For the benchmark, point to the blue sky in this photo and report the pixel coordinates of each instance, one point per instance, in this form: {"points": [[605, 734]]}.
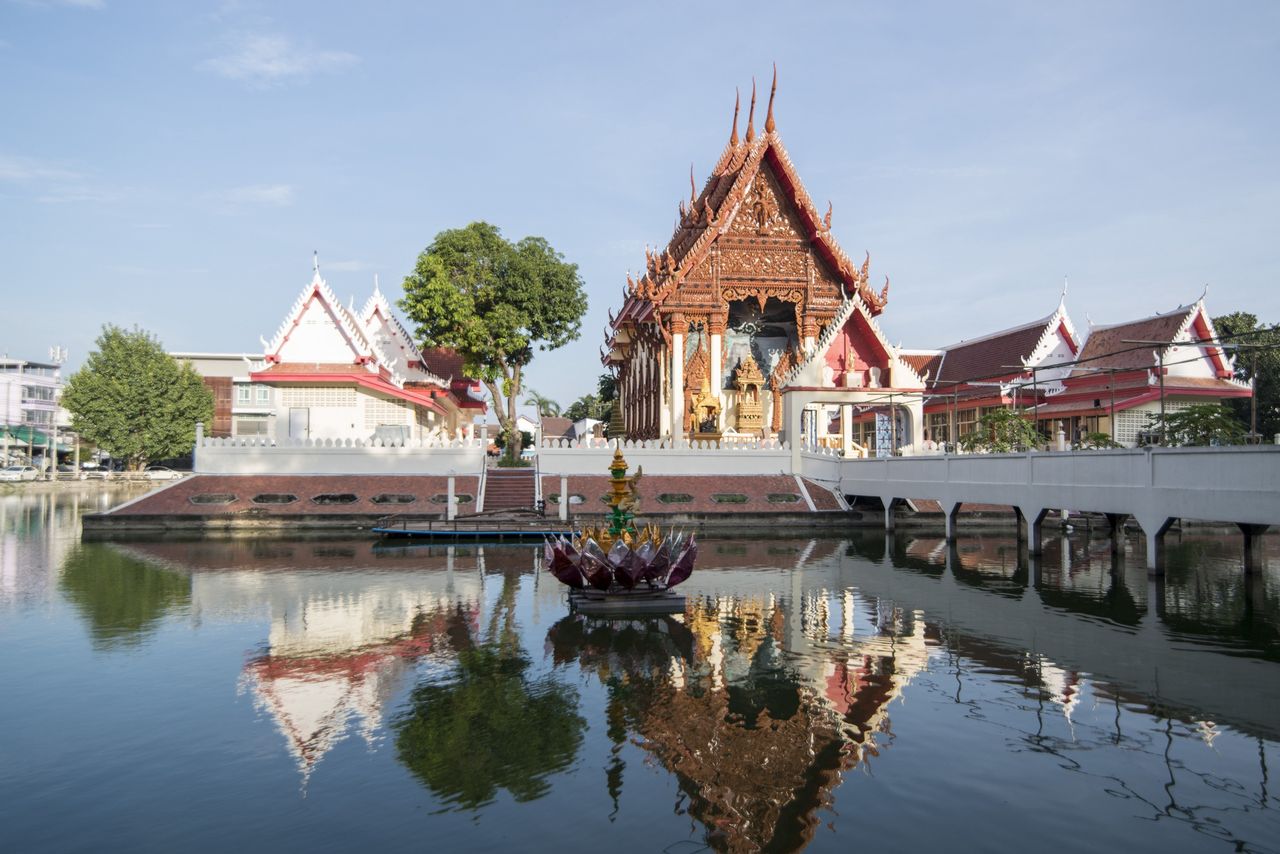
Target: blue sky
{"points": [[173, 165]]}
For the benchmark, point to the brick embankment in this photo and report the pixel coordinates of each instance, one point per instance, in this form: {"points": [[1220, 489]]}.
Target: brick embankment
{"points": [[251, 503]]}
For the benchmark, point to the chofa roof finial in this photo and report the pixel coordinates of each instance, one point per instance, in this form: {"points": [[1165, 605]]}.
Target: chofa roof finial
{"points": [[737, 101], [751, 113], [693, 191], [769, 126]]}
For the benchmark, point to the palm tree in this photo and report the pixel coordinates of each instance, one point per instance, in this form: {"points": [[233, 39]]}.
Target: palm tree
{"points": [[546, 406]]}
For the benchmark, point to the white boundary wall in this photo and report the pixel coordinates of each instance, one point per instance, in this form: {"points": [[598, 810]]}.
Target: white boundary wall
{"points": [[337, 456], [665, 457]]}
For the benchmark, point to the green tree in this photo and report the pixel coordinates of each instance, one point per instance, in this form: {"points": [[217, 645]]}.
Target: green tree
{"points": [[1202, 424], [493, 302], [134, 400], [1002, 431], [545, 405], [1257, 352], [587, 406]]}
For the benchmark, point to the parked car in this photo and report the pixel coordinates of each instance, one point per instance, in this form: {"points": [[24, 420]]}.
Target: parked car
{"points": [[161, 473], [19, 473]]}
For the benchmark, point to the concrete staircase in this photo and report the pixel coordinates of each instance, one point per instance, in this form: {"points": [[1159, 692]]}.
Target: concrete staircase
{"points": [[509, 489]]}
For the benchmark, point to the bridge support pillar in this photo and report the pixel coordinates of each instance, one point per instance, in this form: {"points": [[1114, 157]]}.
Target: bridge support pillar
{"points": [[1034, 519], [1154, 530], [1252, 550], [1115, 524], [952, 514], [888, 511], [1019, 522]]}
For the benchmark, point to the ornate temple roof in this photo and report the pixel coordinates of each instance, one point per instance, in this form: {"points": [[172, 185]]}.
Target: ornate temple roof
{"points": [[708, 215]]}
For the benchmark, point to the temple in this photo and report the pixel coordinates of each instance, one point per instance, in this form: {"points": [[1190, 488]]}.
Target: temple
{"points": [[342, 372], [751, 300]]}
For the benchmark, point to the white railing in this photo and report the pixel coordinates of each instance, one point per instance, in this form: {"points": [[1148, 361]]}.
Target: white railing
{"points": [[666, 456], [261, 455]]}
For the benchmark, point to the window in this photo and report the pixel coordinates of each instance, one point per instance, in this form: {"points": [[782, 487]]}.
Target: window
{"points": [[675, 498], [939, 426], [729, 498], [250, 425], [336, 498], [274, 498], [263, 393], [213, 498], [393, 498], [242, 393], [783, 498], [966, 422]]}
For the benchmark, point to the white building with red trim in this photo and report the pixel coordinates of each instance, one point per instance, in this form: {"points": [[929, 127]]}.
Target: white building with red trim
{"points": [[1127, 372], [339, 373]]}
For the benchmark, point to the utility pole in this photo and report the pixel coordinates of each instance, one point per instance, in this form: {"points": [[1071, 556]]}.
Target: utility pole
{"points": [[1253, 398]]}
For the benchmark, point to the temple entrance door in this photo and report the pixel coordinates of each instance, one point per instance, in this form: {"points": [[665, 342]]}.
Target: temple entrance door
{"points": [[299, 422]]}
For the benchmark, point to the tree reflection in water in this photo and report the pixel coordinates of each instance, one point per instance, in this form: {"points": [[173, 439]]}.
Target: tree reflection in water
{"points": [[489, 725], [123, 599]]}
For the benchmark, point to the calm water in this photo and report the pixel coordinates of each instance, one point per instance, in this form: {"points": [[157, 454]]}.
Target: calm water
{"points": [[828, 694]]}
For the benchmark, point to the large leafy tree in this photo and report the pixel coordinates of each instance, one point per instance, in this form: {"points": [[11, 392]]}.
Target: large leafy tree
{"points": [[494, 302], [1257, 359], [134, 400]]}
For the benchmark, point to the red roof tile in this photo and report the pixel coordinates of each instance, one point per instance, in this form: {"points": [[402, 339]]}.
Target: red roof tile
{"points": [[989, 357], [1105, 347]]}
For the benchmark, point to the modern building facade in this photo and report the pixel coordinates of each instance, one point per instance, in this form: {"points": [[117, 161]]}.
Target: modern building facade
{"points": [[29, 407]]}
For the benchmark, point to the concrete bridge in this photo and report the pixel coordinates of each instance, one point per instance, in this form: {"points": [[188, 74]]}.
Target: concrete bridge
{"points": [[1156, 486]]}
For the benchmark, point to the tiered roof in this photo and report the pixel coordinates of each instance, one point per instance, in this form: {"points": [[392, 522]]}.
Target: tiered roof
{"points": [[1123, 361], [380, 353], [708, 215]]}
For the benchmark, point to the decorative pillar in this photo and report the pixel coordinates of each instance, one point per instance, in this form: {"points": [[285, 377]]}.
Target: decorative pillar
{"points": [[676, 414], [451, 509], [846, 429], [716, 326], [564, 498]]}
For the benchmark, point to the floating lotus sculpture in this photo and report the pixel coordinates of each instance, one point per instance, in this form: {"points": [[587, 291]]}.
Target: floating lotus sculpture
{"points": [[650, 566], [618, 562]]}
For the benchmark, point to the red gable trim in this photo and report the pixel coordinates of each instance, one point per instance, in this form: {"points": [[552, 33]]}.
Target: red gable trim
{"points": [[363, 379]]}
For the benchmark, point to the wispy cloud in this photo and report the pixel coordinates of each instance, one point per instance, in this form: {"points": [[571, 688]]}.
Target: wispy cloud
{"points": [[256, 195], [78, 193], [51, 182], [26, 170], [264, 60]]}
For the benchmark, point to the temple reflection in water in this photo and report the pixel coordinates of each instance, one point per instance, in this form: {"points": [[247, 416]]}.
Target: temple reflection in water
{"points": [[782, 677]]}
